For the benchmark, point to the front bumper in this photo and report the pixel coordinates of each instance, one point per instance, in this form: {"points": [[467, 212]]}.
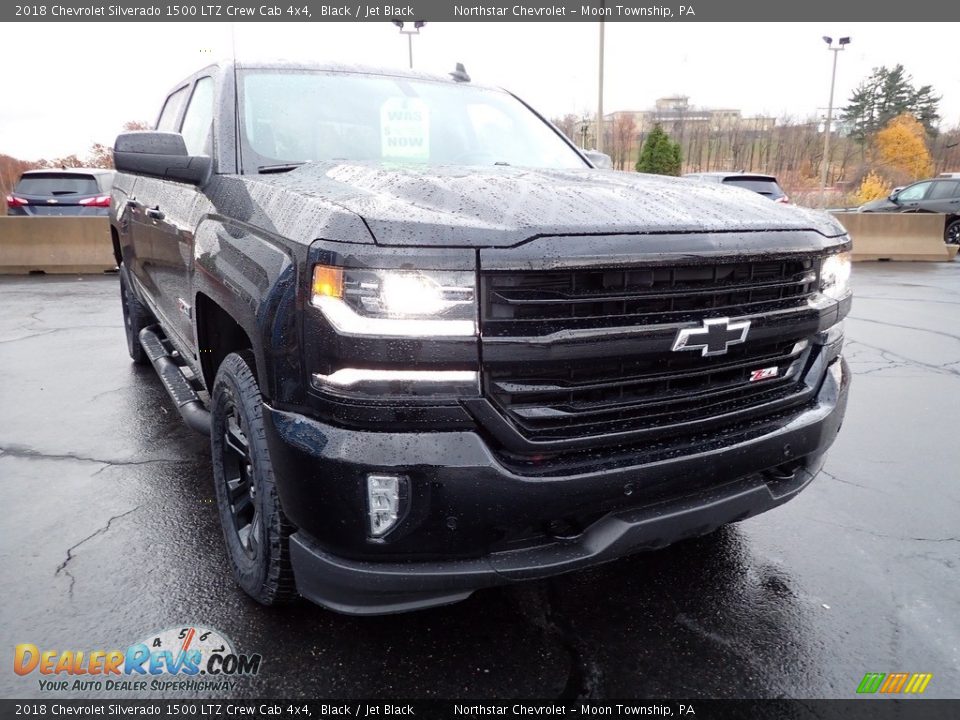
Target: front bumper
{"points": [[474, 522]]}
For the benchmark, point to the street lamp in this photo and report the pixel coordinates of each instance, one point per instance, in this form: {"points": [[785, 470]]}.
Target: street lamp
{"points": [[841, 44], [410, 33], [600, 87]]}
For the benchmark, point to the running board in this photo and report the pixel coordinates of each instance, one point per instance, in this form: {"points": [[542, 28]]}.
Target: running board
{"points": [[188, 403]]}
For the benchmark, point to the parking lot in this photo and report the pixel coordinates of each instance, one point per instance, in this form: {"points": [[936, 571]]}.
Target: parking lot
{"points": [[110, 533]]}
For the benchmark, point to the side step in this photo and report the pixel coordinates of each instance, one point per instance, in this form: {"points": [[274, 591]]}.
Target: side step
{"points": [[188, 402]]}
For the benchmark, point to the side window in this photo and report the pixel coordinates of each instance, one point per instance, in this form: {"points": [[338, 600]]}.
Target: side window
{"points": [[914, 192], [944, 190], [199, 118], [171, 110]]}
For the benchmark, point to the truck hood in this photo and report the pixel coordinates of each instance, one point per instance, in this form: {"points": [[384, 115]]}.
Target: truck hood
{"points": [[503, 206]]}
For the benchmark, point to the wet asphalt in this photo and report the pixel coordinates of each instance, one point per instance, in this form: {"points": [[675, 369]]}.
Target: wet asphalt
{"points": [[109, 532]]}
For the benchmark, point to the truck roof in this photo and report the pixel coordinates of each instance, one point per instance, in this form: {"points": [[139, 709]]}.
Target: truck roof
{"points": [[358, 69]]}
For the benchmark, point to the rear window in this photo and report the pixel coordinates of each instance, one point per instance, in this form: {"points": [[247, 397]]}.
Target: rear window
{"points": [[757, 185], [943, 189], [58, 184]]}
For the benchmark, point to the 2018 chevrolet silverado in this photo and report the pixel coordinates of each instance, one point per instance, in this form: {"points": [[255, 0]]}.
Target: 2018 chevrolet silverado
{"points": [[435, 350]]}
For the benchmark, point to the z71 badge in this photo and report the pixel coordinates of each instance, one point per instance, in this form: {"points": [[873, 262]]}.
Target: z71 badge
{"points": [[764, 373]]}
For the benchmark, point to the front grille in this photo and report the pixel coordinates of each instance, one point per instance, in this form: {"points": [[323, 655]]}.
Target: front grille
{"points": [[661, 394], [524, 304], [613, 396]]}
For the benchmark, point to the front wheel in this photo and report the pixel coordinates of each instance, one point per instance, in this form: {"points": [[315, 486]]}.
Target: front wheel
{"points": [[951, 235], [254, 527]]}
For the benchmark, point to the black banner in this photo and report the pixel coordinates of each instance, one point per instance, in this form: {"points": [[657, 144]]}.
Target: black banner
{"points": [[477, 10], [860, 709]]}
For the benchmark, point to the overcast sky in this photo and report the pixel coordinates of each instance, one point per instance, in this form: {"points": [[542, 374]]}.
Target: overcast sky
{"points": [[69, 85]]}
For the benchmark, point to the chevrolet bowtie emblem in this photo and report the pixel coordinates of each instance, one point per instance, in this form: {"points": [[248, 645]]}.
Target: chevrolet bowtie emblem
{"points": [[714, 338]]}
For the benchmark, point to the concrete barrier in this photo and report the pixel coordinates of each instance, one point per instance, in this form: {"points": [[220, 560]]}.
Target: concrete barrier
{"points": [[55, 245], [896, 236]]}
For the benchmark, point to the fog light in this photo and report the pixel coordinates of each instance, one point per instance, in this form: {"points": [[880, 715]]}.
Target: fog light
{"points": [[383, 503]]}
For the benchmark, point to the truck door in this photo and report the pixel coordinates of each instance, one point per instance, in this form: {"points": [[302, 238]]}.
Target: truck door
{"points": [[170, 221], [144, 257]]}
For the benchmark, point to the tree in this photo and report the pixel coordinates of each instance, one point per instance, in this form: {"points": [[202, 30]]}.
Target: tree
{"points": [[884, 95], [660, 155], [100, 156], [901, 148], [873, 187], [569, 125], [68, 161], [624, 134]]}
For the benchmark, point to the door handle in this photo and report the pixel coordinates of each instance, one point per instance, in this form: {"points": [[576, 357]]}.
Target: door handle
{"points": [[155, 212]]}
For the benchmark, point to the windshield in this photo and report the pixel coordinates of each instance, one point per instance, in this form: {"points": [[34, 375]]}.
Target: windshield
{"points": [[299, 116]]}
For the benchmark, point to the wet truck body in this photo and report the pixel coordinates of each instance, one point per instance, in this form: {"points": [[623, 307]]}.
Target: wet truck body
{"points": [[426, 372]]}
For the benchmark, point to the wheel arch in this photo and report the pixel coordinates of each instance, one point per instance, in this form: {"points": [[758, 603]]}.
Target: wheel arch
{"points": [[218, 335], [115, 242]]}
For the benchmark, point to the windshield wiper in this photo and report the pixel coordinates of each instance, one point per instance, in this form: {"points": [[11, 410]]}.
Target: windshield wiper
{"points": [[283, 167]]}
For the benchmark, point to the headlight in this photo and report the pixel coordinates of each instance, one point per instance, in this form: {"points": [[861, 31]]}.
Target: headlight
{"points": [[397, 303], [835, 275]]}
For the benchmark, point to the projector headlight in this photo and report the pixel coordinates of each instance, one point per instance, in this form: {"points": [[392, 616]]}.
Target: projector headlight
{"points": [[396, 303], [835, 275]]}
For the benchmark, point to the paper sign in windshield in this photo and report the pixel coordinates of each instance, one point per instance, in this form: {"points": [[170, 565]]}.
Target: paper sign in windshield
{"points": [[405, 129]]}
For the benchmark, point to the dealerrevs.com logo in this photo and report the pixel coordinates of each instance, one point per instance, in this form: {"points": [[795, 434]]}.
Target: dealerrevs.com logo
{"points": [[188, 658]]}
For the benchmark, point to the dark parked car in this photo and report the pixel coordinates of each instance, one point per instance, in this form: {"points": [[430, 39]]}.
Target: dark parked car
{"points": [[69, 191], [436, 350], [938, 195], [765, 185]]}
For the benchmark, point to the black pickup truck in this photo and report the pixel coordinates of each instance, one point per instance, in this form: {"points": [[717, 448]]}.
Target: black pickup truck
{"points": [[436, 350]]}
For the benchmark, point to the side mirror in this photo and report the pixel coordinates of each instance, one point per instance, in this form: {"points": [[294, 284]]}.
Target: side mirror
{"points": [[599, 160], [894, 193], [160, 155]]}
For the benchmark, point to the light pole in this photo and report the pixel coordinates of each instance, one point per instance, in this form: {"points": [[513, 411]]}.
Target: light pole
{"points": [[600, 87], [841, 44], [410, 33]]}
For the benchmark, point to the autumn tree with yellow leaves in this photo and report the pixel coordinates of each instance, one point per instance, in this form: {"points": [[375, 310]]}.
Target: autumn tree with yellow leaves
{"points": [[901, 150], [873, 187]]}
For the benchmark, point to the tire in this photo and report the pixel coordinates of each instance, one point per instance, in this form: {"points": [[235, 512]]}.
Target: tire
{"points": [[255, 529], [135, 318], [951, 235]]}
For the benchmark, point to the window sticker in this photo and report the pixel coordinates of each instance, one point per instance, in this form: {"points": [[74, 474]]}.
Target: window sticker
{"points": [[405, 129]]}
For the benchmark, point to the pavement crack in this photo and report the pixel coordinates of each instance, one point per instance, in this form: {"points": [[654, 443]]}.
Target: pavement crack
{"points": [[903, 300], [900, 538], [21, 451], [27, 337], [62, 567], [905, 327], [900, 361], [540, 604], [71, 328], [850, 482]]}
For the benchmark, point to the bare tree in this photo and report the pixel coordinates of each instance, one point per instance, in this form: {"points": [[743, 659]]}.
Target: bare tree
{"points": [[624, 139]]}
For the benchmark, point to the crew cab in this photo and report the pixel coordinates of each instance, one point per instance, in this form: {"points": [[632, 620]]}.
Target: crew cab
{"points": [[436, 350]]}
